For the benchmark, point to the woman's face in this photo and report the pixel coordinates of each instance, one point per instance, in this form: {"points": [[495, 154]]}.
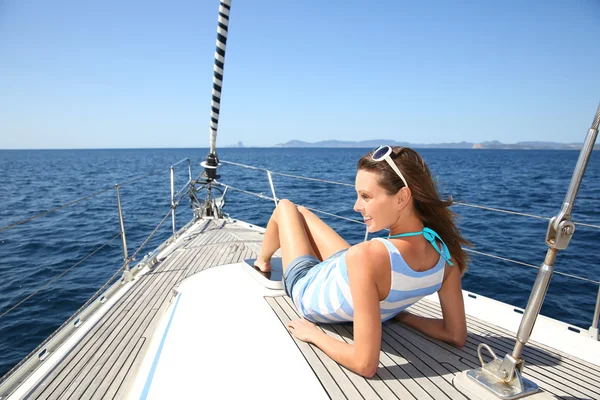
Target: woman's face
{"points": [[378, 208]]}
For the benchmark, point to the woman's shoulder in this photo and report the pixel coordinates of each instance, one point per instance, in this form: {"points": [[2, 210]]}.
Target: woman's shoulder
{"points": [[369, 252], [454, 270], [368, 263]]}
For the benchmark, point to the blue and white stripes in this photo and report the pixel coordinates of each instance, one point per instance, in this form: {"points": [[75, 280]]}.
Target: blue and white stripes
{"points": [[323, 294]]}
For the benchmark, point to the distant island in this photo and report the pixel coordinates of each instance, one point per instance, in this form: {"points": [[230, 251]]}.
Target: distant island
{"points": [[460, 145], [238, 145]]}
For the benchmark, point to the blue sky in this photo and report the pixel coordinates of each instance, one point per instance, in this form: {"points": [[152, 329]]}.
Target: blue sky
{"points": [[80, 74]]}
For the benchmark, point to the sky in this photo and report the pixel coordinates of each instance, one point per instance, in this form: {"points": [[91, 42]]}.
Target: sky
{"points": [[138, 74]]}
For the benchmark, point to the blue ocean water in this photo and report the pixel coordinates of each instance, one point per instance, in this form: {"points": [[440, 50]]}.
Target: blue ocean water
{"points": [[33, 253]]}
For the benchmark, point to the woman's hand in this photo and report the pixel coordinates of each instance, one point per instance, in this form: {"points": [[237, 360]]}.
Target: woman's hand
{"points": [[303, 330]]}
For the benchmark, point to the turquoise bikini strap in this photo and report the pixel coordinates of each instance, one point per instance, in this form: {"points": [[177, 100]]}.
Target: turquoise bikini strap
{"points": [[430, 235], [406, 234]]}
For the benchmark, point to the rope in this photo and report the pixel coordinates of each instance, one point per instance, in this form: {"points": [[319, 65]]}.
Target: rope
{"points": [[182, 196], [55, 209], [242, 165], [518, 213], [500, 210], [60, 275], [454, 203], [286, 175], [530, 265], [150, 236], [312, 179], [157, 227], [308, 208], [91, 299], [260, 196], [133, 180], [187, 185], [335, 215], [140, 222], [466, 249], [68, 321], [128, 182], [88, 256]]}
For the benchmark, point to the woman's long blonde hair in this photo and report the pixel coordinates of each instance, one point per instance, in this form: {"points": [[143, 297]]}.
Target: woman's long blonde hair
{"points": [[431, 209]]}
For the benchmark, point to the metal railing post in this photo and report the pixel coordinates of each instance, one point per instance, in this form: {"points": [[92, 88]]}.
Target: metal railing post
{"points": [[504, 377], [126, 272], [559, 233], [173, 199], [272, 187], [534, 304], [594, 328]]}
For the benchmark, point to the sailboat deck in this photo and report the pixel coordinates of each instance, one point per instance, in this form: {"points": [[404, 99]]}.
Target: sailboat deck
{"points": [[104, 363]]}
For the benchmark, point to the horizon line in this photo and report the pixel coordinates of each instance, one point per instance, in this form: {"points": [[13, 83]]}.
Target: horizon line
{"points": [[278, 147]]}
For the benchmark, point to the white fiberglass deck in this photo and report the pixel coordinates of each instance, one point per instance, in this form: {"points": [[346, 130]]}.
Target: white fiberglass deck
{"points": [[105, 362]]}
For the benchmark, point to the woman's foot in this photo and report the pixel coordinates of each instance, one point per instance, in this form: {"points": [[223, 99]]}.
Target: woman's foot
{"points": [[264, 266]]}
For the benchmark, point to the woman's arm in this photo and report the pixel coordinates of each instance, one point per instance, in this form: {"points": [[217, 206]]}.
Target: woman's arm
{"points": [[343, 353], [453, 327], [362, 356]]}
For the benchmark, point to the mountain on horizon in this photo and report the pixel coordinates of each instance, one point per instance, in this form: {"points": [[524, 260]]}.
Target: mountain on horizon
{"points": [[341, 143], [494, 144]]}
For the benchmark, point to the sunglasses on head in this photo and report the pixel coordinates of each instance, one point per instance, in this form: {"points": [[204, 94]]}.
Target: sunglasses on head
{"points": [[383, 153]]}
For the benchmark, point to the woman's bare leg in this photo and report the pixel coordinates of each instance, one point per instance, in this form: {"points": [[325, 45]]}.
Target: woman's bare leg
{"points": [[270, 244], [285, 230], [323, 239]]}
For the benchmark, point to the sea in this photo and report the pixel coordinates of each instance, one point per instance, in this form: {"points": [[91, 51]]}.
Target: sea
{"points": [[66, 254]]}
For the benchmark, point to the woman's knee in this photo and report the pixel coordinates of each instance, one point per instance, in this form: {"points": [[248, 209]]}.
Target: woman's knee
{"points": [[303, 210], [308, 214], [285, 205]]}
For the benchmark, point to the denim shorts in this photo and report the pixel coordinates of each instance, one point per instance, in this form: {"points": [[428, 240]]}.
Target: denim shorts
{"points": [[297, 269]]}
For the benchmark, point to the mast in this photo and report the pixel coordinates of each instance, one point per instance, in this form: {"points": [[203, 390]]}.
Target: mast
{"points": [[212, 160]]}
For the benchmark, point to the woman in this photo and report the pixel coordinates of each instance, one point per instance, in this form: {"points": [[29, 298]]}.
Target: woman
{"points": [[373, 281]]}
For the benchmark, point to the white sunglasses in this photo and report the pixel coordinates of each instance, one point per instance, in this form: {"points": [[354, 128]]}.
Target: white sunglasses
{"points": [[383, 153]]}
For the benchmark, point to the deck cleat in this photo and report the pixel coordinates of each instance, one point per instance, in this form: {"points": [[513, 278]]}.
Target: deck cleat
{"points": [[504, 378]]}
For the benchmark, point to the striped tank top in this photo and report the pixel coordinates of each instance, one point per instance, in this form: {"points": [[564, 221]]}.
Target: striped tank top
{"points": [[323, 294]]}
